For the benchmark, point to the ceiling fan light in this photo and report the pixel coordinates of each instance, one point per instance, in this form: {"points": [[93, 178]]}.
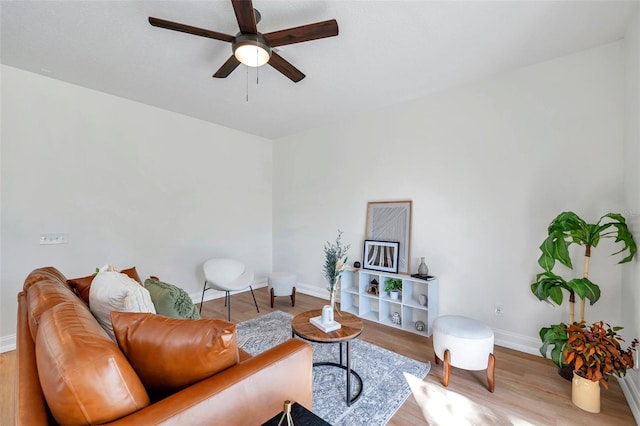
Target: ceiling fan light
{"points": [[251, 50], [251, 55]]}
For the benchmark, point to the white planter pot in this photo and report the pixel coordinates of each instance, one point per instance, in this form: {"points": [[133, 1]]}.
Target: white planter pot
{"points": [[394, 294], [585, 394]]}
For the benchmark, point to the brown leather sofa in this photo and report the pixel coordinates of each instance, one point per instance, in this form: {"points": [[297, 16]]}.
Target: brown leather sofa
{"points": [[63, 353]]}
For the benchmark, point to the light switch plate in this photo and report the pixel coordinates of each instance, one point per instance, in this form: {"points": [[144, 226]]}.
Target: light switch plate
{"points": [[59, 238]]}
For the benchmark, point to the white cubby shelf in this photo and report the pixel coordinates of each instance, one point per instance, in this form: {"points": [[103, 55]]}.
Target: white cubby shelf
{"points": [[355, 299]]}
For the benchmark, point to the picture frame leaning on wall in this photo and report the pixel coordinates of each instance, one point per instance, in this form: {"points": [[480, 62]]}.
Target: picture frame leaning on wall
{"points": [[391, 221]]}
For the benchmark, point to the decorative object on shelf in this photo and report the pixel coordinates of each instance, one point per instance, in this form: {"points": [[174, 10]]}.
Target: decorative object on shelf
{"points": [[595, 349], [422, 277], [422, 268], [356, 264], [391, 221], [373, 287], [381, 255], [423, 299], [393, 286], [395, 318], [420, 325], [335, 259]]}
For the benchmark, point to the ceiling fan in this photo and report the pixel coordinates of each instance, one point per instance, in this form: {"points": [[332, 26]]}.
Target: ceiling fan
{"points": [[253, 48]]}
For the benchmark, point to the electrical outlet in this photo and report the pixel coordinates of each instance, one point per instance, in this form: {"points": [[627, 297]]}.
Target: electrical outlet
{"points": [[59, 238], [498, 310]]}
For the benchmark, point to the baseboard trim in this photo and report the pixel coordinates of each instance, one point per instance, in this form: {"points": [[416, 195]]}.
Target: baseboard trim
{"points": [[630, 391], [312, 290], [517, 342], [8, 343]]}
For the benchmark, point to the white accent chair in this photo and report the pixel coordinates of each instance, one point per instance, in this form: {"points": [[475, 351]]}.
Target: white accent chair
{"points": [[227, 275], [464, 343]]}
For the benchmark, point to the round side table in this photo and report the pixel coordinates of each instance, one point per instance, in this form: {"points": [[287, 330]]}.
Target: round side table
{"points": [[351, 328]]}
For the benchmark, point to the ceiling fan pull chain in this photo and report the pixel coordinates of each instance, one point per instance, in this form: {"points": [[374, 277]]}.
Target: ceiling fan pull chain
{"points": [[247, 82]]}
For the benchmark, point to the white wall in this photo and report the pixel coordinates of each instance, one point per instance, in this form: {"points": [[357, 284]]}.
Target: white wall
{"points": [[631, 279], [130, 184], [488, 166]]}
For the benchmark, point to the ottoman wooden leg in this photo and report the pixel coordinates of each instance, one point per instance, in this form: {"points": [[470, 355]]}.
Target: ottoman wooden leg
{"points": [[272, 297], [446, 368], [293, 297], [491, 371]]}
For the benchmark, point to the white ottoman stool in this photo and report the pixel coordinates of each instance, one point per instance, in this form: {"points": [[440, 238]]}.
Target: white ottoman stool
{"points": [[282, 284], [463, 343]]}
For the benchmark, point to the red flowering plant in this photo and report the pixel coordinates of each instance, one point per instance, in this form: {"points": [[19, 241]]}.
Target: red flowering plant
{"points": [[595, 349]]}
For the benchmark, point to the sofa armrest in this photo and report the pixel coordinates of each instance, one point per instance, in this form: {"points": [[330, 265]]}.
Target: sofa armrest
{"points": [[30, 405], [248, 393]]}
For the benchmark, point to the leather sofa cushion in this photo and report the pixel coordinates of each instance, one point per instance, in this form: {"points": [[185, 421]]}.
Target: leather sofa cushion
{"points": [[82, 285], [169, 353], [43, 295], [85, 378], [45, 273]]}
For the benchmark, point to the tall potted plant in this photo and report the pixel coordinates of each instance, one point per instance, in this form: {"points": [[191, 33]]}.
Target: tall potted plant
{"points": [[567, 229]]}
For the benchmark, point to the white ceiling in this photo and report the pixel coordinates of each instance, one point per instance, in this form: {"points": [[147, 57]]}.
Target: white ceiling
{"points": [[387, 52]]}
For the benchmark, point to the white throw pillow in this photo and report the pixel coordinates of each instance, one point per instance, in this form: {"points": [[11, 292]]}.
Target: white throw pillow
{"points": [[114, 291]]}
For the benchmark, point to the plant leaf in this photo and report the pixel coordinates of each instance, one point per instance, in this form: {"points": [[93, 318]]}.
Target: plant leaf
{"points": [[585, 288]]}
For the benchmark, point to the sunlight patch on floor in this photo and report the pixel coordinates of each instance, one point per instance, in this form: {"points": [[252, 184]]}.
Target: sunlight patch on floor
{"points": [[441, 406]]}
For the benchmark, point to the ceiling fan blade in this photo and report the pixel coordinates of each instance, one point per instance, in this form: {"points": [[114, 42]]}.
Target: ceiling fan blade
{"points": [[226, 68], [282, 65], [245, 16], [303, 33], [156, 22]]}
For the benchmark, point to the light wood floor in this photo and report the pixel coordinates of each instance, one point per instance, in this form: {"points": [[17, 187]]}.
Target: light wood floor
{"points": [[528, 388]]}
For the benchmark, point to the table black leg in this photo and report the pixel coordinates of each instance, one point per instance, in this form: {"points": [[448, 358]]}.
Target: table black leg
{"points": [[348, 372], [347, 368]]}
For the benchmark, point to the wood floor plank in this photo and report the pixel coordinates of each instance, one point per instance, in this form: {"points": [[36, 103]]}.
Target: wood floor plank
{"points": [[528, 389]]}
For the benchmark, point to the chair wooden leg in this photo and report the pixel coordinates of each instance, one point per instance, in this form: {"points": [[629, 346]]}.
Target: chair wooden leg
{"points": [[446, 368], [293, 297], [272, 297], [491, 371], [227, 301], [436, 357]]}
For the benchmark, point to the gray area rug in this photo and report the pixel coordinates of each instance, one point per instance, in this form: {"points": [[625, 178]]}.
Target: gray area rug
{"points": [[385, 386]]}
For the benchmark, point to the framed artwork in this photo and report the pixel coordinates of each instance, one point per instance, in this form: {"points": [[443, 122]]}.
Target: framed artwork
{"points": [[391, 221], [381, 255]]}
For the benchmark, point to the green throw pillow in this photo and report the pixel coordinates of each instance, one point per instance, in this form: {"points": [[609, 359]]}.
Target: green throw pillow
{"points": [[171, 301]]}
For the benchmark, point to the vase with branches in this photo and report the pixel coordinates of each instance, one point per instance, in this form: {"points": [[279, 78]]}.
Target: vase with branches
{"points": [[335, 259]]}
